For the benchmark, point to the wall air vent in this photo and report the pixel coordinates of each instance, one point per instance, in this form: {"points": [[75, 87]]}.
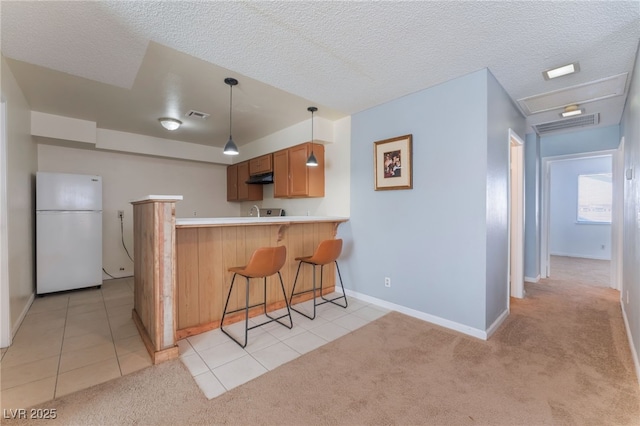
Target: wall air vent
{"points": [[197, 114], [568, 123]]}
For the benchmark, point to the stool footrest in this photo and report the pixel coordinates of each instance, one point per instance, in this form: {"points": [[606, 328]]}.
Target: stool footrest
{"points": [[272, 319], [244, 309]]}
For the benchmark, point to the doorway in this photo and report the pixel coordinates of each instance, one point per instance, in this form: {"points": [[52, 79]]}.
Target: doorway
{"points": [[569, 229], [516, 216]]}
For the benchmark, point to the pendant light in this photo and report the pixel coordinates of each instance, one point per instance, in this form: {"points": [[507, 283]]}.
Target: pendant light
{"points": [[311, 161], [230, 147]]}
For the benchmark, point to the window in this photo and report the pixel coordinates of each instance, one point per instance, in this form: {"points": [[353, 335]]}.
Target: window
{"points": [[594, 198]]}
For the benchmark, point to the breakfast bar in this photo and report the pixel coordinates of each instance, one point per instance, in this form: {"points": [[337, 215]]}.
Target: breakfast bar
{"points": [[181, 268]]}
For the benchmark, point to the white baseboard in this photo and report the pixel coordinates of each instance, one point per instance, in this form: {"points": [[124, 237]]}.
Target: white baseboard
{"points": [[497, 323], [465, 329], [581, 256], [532, 280], [22, 315], [634, 353]]}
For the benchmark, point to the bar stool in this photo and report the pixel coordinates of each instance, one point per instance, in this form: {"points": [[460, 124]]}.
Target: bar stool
{"points": [[264, 262], [327, 251]]}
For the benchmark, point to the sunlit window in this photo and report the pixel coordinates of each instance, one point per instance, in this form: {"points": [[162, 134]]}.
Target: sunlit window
{"points": [[594, 198]]}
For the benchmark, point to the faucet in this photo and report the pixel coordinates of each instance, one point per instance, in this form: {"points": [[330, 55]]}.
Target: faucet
{"points": [[255, 206]]}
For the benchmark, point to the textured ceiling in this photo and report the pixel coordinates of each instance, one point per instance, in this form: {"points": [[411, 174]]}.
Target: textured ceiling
{"points": [[342, 56]]}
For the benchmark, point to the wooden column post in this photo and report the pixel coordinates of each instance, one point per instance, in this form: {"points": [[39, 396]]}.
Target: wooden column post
{"points": [[154, 270]]}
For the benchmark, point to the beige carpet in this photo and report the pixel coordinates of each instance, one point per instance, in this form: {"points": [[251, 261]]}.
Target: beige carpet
{"points": [[562, 357], [581, 271]]}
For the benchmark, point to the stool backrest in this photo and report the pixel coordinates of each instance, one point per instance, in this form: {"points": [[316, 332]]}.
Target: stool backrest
{"points": [[266, 261], [328, 251]]}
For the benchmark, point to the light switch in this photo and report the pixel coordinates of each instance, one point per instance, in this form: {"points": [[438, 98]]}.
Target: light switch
{"points": [[629, 173]]}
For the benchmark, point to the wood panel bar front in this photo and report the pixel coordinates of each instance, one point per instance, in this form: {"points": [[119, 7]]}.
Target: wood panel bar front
{"points": [[154, 276], [204, 253]]}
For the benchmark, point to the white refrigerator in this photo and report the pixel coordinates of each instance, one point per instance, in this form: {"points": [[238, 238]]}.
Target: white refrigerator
{"points": [[68, 231]]}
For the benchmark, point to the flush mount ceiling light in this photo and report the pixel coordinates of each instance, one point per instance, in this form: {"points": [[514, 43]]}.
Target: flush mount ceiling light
{"points": [[571, 111], [560, 71], [311, 161], [230, 147], [169, 123]]}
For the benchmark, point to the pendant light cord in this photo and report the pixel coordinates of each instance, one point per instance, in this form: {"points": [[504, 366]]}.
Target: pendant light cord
{"points": [[230, 105], [312, 132]]}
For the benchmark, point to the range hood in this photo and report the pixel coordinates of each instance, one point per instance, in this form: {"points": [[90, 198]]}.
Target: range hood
{"points": [[261, 179]]}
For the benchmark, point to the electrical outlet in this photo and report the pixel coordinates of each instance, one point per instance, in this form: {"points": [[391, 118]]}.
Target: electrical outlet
{"points": [[195, 214], [120, 214], [387, 282], [121, 268]]}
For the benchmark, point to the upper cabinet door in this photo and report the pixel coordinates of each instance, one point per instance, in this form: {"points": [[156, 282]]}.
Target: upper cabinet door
{"points": [[298, 170], [260, 165], [291, 175], [281, 174], [232, 183]]}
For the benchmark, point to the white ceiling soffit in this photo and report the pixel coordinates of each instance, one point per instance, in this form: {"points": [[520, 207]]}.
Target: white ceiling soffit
{"points": [[74, 38], [567, 123], [580, 94]]}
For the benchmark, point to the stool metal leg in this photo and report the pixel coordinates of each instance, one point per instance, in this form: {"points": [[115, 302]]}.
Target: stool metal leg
{"points": [[344, 295], [246, 319], [285, 302], [325, 300], [293, 292]]}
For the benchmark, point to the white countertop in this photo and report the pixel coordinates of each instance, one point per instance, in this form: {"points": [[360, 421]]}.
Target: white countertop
{"points": [[158, 198], [252, 220]]}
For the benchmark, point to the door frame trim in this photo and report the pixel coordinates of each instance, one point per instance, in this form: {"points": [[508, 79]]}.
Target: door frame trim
{"points": [[517, 289], [6, 335]]}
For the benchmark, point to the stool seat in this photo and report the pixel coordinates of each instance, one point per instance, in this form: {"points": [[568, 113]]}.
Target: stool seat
{"points": [[264, 262], [327, 252]]}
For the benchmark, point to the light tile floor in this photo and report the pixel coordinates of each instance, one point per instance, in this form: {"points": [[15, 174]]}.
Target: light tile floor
{"points": [[218, 364], [71, 341]]}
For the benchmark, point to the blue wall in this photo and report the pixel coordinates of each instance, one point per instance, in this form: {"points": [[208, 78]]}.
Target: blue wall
{"points": [[502, 115], [566, 236], [598, 139], [432, 240]]}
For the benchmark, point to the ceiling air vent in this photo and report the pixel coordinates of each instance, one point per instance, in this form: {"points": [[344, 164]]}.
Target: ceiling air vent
{"points": [[197, 114], [568, 123]]}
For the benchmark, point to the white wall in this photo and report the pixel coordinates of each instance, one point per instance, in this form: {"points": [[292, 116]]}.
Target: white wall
{"points": [[21, 168], [130, 176], [566, 236]]}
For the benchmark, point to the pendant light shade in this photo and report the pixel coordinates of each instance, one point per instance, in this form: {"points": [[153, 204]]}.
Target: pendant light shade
{"points": [[230, 147], [312, 161]]}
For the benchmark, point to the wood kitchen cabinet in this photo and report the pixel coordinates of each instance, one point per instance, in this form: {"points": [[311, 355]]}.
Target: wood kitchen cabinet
{"points": [[260, 165], [237, 188], [291, 175]]}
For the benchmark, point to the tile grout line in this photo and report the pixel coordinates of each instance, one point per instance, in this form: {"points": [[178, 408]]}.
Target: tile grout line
{"points": [[64, 331], [113, 339], [279, 340]]}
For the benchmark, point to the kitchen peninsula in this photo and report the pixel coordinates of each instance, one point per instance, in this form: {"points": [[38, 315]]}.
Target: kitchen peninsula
{"points": [[181, 268]]}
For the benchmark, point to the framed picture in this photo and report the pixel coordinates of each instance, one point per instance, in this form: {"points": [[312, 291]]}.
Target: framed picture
{"points": [[393, 163]]}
